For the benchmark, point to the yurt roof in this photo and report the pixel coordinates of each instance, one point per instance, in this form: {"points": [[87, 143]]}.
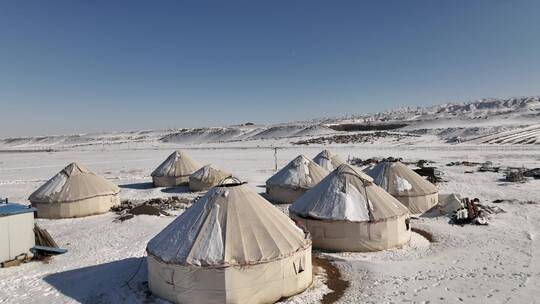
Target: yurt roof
{"points": [[177, 164], [75, 182], [399, 180], [348, 194], [230, 225], [328, 160], [210, 173], [301, 172]]}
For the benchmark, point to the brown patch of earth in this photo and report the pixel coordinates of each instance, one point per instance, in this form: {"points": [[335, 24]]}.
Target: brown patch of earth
{"points": [[334, 280]]}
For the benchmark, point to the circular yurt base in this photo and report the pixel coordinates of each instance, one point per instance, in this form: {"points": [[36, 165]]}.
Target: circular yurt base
{"points": [[80, 208], [283, 195], [257, 283], [197, 185], [419, 204], [170, 181], [356, 236]]}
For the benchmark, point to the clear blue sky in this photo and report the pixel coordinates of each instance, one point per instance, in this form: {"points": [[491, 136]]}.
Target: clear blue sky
{"points": [[84, 66]]}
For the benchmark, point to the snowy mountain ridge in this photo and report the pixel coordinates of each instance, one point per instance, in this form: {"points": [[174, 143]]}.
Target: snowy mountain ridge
{"points": [[471, 109], [451, 122]]}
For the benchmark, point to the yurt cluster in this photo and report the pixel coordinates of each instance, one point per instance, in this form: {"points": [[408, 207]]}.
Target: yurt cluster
{"points": [[232, 245]]}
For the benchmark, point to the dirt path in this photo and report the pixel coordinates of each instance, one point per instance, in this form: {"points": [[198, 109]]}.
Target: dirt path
{"points": [[424, 233], [335, 281]]}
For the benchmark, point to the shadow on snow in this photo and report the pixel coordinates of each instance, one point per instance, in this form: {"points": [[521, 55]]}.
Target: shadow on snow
{"points": [[105, 283], [177, 189], [138, 186]]}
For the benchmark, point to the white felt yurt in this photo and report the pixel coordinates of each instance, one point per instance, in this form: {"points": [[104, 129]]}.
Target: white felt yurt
{"points": [[74, 192], [328, 160], [293, 180], [448, 204], [175, 170], [346, 211], [206, 177], [414, 191], [230, 246]]}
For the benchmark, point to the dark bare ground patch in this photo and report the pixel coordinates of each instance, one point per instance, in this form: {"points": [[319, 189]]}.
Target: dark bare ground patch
{"points": [[28, 150], [334, 280], [425, 234], [353, 138], [366, 127]]}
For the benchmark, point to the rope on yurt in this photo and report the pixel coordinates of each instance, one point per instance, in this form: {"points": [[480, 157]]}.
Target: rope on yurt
{"points": [[135, 274]]}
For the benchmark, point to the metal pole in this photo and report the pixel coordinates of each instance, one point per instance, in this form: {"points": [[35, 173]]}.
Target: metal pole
{"points": [[275, 159]]}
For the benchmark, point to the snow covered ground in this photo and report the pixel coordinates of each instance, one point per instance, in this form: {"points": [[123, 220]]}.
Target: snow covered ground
{"points": [[473, 264]]}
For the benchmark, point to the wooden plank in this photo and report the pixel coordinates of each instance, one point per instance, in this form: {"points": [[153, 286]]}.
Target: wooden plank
{"points": [[15, 262], [49, 250]]}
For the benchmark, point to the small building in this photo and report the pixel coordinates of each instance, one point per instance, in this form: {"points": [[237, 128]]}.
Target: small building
{"points": [[16, 231]]}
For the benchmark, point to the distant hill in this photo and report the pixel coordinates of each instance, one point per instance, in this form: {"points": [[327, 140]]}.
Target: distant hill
{"points": [[486, 121]]}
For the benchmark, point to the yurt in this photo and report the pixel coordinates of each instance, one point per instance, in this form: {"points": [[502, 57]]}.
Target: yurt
{"points": [[230, 246], [448, 203], [206, 177], [293, 180], [415, 192], [16, 231], [175, 170], [346, 211], [74, 192], [328, 160]]}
